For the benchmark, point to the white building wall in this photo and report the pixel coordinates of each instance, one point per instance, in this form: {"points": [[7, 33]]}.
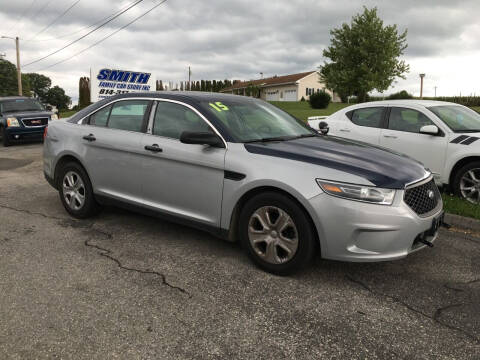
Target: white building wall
{"points": [[312, 81]]}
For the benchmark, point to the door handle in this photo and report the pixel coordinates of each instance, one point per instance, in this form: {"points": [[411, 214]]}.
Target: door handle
{"points": [[89, 137], [154, 148], [345, 130], [390, 136]]}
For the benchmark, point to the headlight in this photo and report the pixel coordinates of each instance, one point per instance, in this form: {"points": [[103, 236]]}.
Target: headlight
{"points": [[12, 122], [358, 192], [54, 117]]}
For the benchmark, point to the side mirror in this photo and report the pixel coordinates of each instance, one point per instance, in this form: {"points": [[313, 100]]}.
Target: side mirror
{"points": [[429, 130], [201, 138], [323, 127]]}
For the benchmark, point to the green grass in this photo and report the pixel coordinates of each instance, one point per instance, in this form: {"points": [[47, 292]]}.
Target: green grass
{"points": [[458, 206], [64, 114], [476, 108], [302, 109]]}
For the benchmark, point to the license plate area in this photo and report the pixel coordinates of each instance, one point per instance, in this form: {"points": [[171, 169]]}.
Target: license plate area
{"points": [[436, 223]]}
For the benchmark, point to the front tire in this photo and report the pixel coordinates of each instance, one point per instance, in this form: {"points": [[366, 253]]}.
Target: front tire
{"points": [[3, 134], [276, 233], [466, 183], [76, 192]]}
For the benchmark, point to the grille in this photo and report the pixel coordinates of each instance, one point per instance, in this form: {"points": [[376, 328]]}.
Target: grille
{"points": [[35, 121], [420, 200]]}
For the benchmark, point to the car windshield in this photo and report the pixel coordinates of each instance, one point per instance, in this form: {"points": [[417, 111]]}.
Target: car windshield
{"points": [[15, 105], [458, 118], [249, 121]]}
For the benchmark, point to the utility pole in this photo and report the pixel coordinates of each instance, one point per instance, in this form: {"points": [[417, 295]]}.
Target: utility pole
{"points": [[435, 91], [19, 73], [421, 85], [189, 75]]}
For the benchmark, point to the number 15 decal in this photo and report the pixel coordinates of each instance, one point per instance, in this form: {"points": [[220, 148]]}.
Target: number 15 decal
{"points": [[219, 106]]}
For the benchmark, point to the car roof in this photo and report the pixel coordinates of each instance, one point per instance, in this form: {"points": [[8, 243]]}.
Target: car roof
{"points": [[192, 98], [14, 98], [409, 102], [181, 95]]}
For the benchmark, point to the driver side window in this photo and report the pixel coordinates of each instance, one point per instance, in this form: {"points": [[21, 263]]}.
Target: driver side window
{"points": [[408, 120], [172, 119]]}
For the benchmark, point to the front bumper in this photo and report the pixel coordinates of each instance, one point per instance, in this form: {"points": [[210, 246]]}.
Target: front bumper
{"points": [[356, 231], [22, 133]]}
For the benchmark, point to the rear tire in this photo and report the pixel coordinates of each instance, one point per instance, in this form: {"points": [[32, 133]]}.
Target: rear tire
{"points": [[276, 233], [3, 134], [76, 192], [466, 182]]}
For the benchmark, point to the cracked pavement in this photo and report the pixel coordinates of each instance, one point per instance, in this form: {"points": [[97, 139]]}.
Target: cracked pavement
{"points": [[123, 285]]}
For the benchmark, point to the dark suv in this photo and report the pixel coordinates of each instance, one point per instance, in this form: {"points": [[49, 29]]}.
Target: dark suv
{"points": [[22, 118]]}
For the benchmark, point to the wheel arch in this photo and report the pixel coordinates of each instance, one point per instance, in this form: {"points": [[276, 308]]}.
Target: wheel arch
{"points": [[458, 165], [232, 233], [64, 159]]}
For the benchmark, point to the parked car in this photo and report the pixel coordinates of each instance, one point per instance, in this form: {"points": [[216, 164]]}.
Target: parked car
{"points": [[22, 118], [441, 135], [243, 169]]}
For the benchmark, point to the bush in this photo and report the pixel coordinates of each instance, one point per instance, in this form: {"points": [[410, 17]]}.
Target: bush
{"points": [[320, 100], [400, 95], [302, 99]]}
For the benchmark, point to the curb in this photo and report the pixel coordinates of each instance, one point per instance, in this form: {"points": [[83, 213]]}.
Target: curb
{"points": [[462, 222]]}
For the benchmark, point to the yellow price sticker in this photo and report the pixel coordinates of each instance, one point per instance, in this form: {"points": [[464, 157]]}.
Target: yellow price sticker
{"points": [[219, 106]]}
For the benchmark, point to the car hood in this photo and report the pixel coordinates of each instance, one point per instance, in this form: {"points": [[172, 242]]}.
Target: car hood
{"points": [[379, 166], [28, 114]]}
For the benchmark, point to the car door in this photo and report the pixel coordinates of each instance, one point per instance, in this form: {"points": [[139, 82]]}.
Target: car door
{"points": [[403, 135], [362, 124], [112, 148], [185, 180]]}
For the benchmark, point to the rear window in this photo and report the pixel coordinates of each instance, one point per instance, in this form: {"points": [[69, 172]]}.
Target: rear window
{"points": [[370, 117]]}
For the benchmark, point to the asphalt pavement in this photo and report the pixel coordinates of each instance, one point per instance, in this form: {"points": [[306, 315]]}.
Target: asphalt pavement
{"points": [[128, 286]]}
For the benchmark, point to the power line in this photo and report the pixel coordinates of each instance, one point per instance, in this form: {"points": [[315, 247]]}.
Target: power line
{"points": [[106, 37], [85, 35], [83, 28], [25, 12], [56, 19], [42, 9]]}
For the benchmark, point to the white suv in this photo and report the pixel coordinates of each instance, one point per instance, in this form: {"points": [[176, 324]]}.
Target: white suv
{"points": [[441, 135]]}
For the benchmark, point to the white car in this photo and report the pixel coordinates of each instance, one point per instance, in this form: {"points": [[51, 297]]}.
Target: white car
{"points": [[443, 136]]}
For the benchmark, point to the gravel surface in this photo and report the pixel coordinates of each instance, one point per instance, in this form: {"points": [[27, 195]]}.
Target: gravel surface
{"points": [[127, 286]]}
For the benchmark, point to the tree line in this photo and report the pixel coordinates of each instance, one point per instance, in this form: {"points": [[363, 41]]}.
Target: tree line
{"points": [[33, 84], [200, 85]]}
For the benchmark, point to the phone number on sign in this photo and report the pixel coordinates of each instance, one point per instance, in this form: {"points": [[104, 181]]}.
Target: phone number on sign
{"points": [[112, 92]]}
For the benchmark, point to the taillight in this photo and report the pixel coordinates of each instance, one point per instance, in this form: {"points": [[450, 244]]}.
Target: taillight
{"points": [[45, 132]]}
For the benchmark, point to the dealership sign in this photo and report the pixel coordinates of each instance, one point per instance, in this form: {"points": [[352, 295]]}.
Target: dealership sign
{"points": [[106, 82]]}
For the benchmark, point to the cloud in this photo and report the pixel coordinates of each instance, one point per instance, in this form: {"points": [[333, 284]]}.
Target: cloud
{"points": [[239, 39]]}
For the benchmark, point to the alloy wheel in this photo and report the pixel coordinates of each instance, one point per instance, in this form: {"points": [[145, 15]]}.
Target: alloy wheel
{"points": [[273, 235], [73, 190], [470, 185]]}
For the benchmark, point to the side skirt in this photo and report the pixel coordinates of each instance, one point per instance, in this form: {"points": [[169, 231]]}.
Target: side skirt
{"points": [[213, 230]]}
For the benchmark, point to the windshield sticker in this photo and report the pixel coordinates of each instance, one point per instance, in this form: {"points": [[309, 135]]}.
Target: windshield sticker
{"points": [[219, 106]]}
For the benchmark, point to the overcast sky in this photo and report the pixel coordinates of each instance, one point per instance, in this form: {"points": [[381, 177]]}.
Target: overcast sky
{"points": [[238, 39]]}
